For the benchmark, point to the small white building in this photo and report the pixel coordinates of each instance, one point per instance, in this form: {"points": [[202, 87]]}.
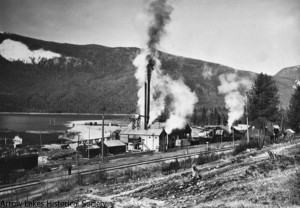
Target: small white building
{"points": [[145, 140], [17, 141]]}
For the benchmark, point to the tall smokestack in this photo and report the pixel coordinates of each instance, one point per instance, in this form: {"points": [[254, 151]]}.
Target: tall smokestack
{"points": [[146, 104], [150, 67], [150, 75]]}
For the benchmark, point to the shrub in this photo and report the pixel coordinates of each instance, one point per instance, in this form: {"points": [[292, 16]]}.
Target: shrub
{"points": [[253, 144], [66, 185], [171, 167], [207, 158], [295, 189]]}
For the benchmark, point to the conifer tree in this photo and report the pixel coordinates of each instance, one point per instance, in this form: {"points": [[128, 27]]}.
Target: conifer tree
{"points": [[263, 101], [294, 111]]}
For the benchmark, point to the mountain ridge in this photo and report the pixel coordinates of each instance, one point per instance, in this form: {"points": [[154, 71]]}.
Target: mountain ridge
{"points": [[285, 80], [97, 76]]}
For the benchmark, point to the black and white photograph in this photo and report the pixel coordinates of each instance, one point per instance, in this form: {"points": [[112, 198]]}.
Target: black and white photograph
{"points": [[150, 103]]}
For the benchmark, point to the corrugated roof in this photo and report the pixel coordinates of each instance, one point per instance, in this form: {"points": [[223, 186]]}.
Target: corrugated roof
{"points": [[196, 131], [290, 131], [93, 146], [113, 143], [150, 132], [224, 128], [241, 128]]}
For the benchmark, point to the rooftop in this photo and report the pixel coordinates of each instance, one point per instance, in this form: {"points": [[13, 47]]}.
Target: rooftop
{"points": [[113, 143], [155, 132]]}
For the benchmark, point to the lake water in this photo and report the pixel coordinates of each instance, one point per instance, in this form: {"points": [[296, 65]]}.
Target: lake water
{"points": [[51, 122], [20, 124]]}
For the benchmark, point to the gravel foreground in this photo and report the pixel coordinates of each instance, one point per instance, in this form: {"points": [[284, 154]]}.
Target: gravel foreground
{"points": [[253, 179]]}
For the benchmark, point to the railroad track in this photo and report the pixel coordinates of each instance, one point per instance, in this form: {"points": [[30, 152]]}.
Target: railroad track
{"points": [[32, 184], [153, 161], [15, 187], [11, 188]]}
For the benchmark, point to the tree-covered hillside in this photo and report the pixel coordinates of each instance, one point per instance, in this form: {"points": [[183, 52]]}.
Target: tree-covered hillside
{"points": [[87, 77]]}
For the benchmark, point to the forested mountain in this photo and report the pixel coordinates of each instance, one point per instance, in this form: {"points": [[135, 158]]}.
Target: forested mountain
{"points": [[286, 81], [61, 77]]}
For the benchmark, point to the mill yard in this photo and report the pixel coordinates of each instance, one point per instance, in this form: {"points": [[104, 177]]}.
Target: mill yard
{"points": [[253, 178]]}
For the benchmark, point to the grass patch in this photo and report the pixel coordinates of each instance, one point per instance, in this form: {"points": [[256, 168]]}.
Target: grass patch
{"points": [[253, 144], [168, 168], [65, 185], [295, 188], [207, 158]]}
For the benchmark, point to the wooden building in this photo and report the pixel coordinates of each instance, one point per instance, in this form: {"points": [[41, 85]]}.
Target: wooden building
{"points": [[144, 140], [113, 147]]}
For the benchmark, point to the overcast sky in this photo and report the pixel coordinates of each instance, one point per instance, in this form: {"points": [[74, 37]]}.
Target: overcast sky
{"points": [[255, 35]]}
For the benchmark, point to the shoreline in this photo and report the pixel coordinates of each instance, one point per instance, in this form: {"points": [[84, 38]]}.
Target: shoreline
{"points": [[64, 114], [32, 131]]}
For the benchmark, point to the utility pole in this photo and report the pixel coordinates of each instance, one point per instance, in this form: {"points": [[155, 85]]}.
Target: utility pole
{"points": [[281, 123], [77, 156], [102, 139], [247, 118], [41, 149], [89, 143], [233, 137], [221, 139], [41, 140]]}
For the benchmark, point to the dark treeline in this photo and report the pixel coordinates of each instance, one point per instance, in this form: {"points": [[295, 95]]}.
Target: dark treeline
{"points": [[209, 116], [294, 110]]}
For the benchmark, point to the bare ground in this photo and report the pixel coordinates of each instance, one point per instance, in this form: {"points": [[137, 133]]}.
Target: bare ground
{"points": [[253, 181]]}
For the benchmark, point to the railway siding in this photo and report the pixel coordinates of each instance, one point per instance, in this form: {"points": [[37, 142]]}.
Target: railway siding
{"points": [[146, 168]]}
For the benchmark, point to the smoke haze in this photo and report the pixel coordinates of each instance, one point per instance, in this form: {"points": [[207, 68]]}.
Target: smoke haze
{"points": [[231, 86], [166, 94], [160, 12]]}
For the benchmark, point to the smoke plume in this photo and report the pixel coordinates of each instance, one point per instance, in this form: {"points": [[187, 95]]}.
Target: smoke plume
{"points": [[231, 86], [159, 11], [166, 94]]}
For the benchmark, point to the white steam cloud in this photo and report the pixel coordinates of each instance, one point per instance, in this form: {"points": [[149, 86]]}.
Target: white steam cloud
{"points": [[231, 85], [182, 99], [166, 95]]}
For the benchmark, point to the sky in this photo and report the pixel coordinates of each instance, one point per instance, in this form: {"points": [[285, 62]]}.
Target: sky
{"points": [[254, 35]]}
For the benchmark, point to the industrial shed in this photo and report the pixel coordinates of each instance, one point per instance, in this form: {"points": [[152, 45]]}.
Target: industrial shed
{"points": [[89, 150], [11, 163], [145, 140], [218, 133], [198, 134], [113, 147], [180, 137], [18, 162]]}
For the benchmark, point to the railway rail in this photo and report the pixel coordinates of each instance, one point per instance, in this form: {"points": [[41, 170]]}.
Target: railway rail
{"points": [[153, 161], [34, 184], [19, 186], [31, 184]]}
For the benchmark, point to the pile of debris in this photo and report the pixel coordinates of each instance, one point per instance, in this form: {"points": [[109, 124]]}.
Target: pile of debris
{"points": [[190, 188], [275, 162], [56, 154]]}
